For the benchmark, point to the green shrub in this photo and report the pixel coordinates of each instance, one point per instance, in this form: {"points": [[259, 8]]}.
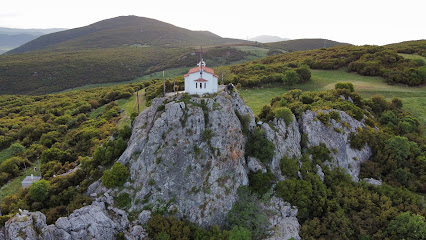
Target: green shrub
{"points": [[247, 214], [324, 118], [115, 177], [259, 146], [344, 85], [260, 182], [245, 122], [320, 153], [298, 193], [407, 226], [304, 73], [160, 227], [39, 191], [285, 114], [123, 200], [239, 233], [289, 167], [335, 115], [290, 78]]}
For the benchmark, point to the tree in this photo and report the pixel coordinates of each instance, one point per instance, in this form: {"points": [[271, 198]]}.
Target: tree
{"points": [[407, 226], [398, 148], [39, 191], [290, 78]]}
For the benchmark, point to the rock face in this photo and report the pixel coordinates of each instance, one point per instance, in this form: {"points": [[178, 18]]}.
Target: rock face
{"points": [[282, 220], [189, 156], [286, 140], [335, 137], [25, 226], [91, 222]]}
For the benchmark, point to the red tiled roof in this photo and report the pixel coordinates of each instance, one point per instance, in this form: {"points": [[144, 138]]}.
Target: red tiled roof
{"points": [[201, 80], [197, 69]]}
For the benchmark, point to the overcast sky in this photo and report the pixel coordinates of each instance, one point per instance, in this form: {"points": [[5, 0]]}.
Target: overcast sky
{"points": [[357, 22]]}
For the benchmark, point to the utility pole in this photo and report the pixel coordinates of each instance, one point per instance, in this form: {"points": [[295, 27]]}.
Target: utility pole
{"points": [[164, 86], [174, 85], [137, 99], [222, 78], [39, 168]]}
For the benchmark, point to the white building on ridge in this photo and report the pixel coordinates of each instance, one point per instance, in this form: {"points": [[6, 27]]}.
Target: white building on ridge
{"points": [[201, 79]]}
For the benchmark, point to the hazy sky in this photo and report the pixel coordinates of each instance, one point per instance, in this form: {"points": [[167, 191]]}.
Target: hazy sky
{"points": [[357, 22]]}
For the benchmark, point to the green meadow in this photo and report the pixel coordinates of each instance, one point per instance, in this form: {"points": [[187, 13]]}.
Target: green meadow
{"points": [[414, 98]]}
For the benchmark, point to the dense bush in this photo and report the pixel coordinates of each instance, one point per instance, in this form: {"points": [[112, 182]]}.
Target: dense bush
{"points": [[261, 183], [289, 167], [115, 177], [39, 191], [247, 214], [285, 114], [407, 226], [259, 146], [320, 153], [344, 85], [123, 200]]}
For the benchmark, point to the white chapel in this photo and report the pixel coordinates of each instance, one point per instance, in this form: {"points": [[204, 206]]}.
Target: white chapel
{"points": [[201, 79]]}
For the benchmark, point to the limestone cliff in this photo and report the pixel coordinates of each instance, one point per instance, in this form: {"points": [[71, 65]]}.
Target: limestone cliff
{"points": [[186, 156]]}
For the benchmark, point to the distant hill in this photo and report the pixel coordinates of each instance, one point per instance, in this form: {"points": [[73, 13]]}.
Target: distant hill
{"points": [[11, 38], [30, 31], [123, 31], [268, 39], [304, 44]]}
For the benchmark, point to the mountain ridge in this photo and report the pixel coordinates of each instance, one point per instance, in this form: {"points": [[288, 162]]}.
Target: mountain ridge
{"points": [[123, 31]]}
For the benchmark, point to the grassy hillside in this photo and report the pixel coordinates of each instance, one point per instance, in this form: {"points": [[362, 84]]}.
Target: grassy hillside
{"points": [[123, 31], [410, 47], [46, 72], [365, 60], [414, 99]]}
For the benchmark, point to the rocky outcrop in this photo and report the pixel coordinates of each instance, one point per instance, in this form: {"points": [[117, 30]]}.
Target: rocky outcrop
{"points": [[335, 137], [189, 157], [25, 226], [373, 181], [91, 222], [286, 140], [282, 218]]}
